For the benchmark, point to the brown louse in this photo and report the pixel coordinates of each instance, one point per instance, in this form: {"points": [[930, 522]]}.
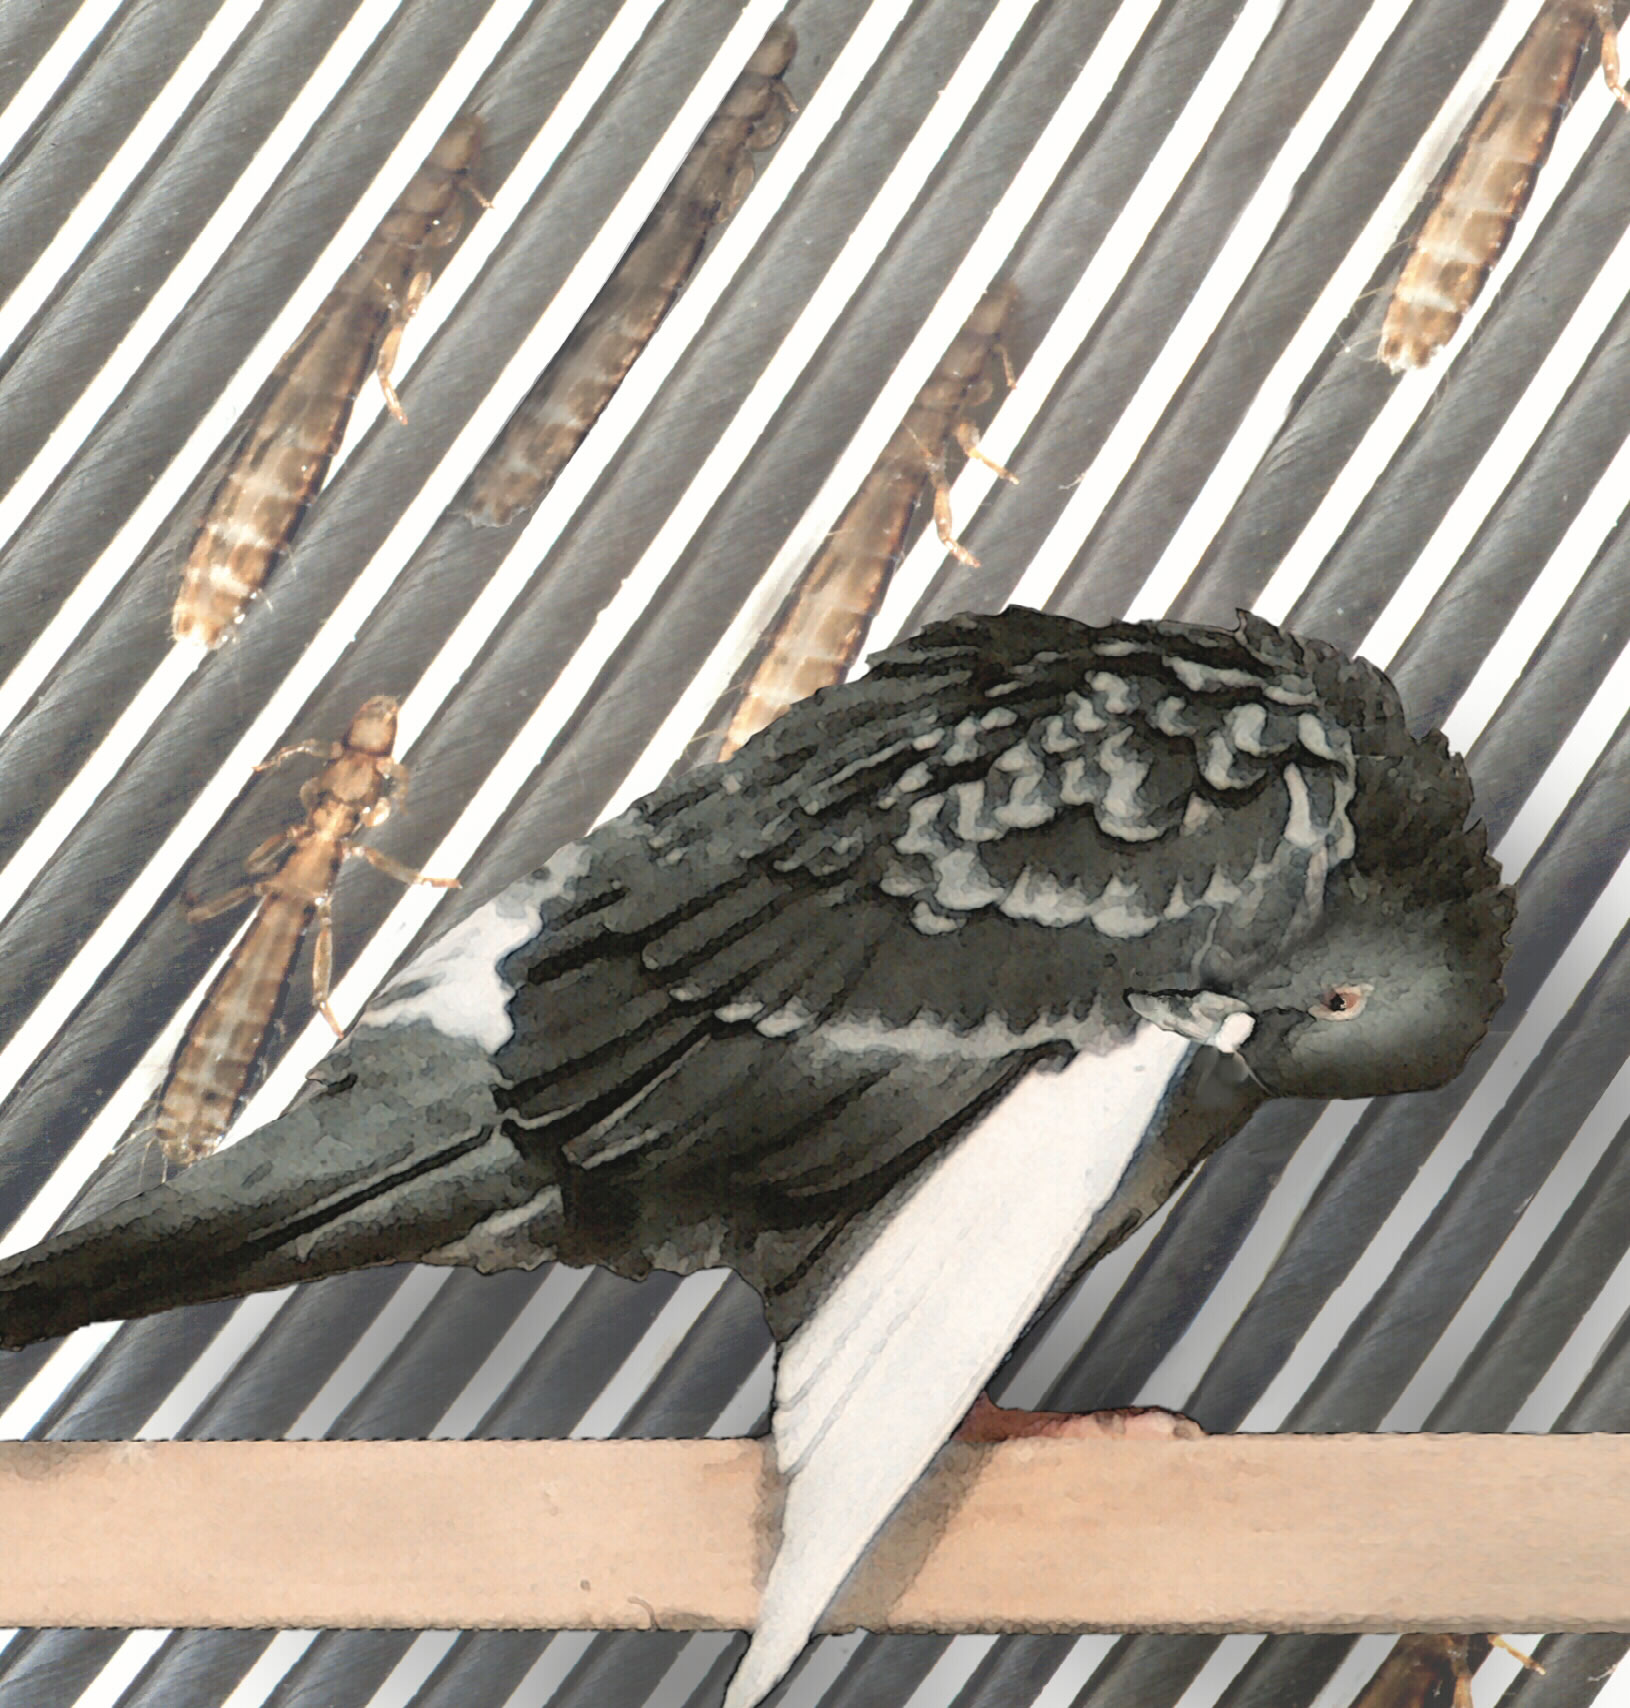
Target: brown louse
{"points": [[292, 878], [295, 426], [1433, 1671], [1492, 178], [821, 627], [538, 440]]}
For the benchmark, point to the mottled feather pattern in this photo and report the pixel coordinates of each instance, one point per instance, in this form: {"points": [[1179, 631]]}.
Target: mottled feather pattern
{"points": [[1153, 750], [935, 801], [716, 1025]]}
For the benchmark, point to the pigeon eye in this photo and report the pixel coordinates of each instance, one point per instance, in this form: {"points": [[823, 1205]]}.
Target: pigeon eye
{"points": [[1341, 1002]]}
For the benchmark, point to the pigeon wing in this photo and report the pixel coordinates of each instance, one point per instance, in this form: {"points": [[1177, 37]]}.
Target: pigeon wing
{"points": [[876, 1381]]}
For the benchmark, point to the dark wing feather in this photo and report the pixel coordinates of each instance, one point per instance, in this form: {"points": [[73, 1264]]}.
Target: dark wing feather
{"points": [[763, 990], [730, 1026]]}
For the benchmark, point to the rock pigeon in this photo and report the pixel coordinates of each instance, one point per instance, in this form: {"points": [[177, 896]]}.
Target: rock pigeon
{"points": [[906, 1012]]}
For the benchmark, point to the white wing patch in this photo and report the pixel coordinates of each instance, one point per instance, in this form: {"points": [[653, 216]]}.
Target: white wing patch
{"points": [[454, 982], [871, 1387]]}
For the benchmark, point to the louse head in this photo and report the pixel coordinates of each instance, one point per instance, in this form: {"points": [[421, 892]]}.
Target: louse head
{"points": [[459, 146], [373, 729]]}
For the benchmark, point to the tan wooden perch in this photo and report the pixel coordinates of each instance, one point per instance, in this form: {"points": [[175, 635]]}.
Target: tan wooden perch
{"points": [[1249, 1533]]}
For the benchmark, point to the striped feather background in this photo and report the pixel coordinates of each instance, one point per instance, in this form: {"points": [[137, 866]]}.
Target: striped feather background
{"points": [[1200, 202]]}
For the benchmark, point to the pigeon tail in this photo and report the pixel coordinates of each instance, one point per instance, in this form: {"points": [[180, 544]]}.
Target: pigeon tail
{"points": [[401, 1154]]}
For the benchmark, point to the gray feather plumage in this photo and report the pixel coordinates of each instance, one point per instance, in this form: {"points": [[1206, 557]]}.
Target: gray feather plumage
{"points": [[748, 1007]]}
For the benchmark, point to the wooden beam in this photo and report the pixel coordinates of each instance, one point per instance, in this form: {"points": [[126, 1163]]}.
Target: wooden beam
{"points": [[1244, 1533]]}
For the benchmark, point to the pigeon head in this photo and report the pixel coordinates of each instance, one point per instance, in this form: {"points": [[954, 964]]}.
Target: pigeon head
{"points": [[1391, 996], [1398, 985], [1398, 980]]}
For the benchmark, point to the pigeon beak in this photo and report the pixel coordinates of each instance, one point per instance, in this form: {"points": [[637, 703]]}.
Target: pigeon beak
{"points": [[1232, 1033]]}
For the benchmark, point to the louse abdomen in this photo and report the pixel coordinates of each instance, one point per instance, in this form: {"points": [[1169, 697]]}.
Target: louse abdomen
{"points": [[227, 1034], [822, 626], [1487, 187], [274, 473], [550, 422], [296, 425]]}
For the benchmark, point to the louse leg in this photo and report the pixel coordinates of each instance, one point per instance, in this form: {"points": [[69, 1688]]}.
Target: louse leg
{"points": [[934, 471], [1460, 1665], [452, 222], [264, 858], [967, 436], [392, 342], [740, 185], [1517, 1654], [942, 518], [1000, 349], [1610, 52], [446, 228], [395, 869], [1461, 1668], [199, 911], [322, 965], [150, 1128], [301, 750], [396, 774], [179, 1153], [767, 130]]}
